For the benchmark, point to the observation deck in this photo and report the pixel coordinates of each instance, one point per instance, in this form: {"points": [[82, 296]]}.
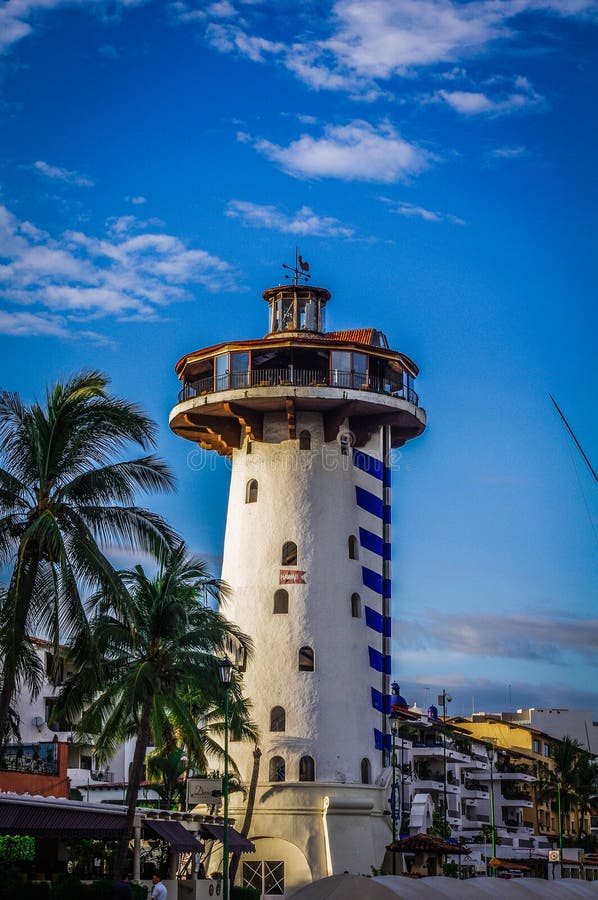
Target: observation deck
{"points": [[353, 375]]}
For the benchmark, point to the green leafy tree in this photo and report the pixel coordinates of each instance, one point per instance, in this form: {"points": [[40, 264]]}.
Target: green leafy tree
{"points": [[62, 498], [574, 771], [153, 647]]}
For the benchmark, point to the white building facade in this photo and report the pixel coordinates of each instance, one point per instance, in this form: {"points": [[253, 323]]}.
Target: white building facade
{"points": [[309, 420]]}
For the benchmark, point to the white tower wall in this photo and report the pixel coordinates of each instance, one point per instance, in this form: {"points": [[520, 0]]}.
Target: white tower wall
{"points": [[309, 497]]}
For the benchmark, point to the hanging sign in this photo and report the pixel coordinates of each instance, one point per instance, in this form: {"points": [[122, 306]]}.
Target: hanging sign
{"points": [[292, 576]]}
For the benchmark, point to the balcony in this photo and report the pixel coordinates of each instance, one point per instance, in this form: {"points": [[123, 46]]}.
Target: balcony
{"points": [[297, 377]]}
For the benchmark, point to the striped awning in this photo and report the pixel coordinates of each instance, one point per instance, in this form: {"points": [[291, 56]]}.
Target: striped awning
{"points": [[52, 821], [176, 834], [236, 842]]}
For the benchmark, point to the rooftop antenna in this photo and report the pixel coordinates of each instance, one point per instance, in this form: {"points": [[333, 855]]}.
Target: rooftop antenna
{"points": [[300, 270]]}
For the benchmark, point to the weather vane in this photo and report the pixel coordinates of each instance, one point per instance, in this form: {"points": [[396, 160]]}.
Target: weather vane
{"points": [[300, 270]]}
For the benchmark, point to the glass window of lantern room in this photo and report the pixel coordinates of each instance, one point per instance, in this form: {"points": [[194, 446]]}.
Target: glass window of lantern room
{"points": [[239, 369], [360, 369], [340, 361], [311, 314], [287, 314], [222, 372]]}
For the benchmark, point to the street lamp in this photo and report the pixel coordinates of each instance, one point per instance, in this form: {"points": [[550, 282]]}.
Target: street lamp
{"points": [[492, 823], [558, 801], [225, 673], [394, 730], [443, 699]]}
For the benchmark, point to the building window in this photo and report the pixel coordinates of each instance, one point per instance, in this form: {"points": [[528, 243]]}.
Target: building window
{"points": [[353, 548], [281, 601], [289, 553], [345, 442], [356, 606], [266, 877], [307, 769], [306, 659], [546, 749], [305, 440], [536, 746], [251, 491], [277, 769], [366, 771], [249, 447], [278, 719]]}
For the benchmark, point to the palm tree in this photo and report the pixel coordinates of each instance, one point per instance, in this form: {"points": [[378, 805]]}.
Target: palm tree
{"points": [[62, 495], [574, 773], [153, 647]]}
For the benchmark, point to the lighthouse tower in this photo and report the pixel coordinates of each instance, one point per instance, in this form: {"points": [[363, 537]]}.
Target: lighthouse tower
{"points": [[308, 419]]}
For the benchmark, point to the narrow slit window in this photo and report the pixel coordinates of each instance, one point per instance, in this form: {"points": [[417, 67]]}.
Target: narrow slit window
{"points": [[251, 491], [366, 771], [277, 769], [278, 719], [281, 602], [306, 659], [289, 553], [356, 606], [353, 547], [305, 440], [307, 769]]}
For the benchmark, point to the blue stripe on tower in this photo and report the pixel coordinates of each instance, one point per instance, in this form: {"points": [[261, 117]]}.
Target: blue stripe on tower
{"points": [[368, 501], [371, 541], [381, 702], [372, 579], [382, 741], [368, 464], [374, 620], [378, 661]]}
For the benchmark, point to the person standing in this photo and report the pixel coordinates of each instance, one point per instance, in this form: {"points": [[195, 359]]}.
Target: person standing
{"points": [[122, 890], [159, 891]]}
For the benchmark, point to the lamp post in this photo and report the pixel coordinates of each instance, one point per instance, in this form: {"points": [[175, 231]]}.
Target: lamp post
{"points": [[492, 822], [225, 673], [394, 730], [558, 801], [443, 699]]}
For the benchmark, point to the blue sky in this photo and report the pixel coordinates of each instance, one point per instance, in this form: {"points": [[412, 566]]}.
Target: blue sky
{"points": [[435, 161]]}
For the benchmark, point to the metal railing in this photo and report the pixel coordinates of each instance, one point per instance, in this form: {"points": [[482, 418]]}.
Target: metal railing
{"points": [[295, 377], [29, 765]]}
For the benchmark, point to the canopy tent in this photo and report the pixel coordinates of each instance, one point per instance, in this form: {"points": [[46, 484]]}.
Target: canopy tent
{"points": [[28, 815]]}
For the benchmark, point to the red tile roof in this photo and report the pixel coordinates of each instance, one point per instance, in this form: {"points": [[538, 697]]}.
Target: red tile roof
{"points": [[354, 335]]}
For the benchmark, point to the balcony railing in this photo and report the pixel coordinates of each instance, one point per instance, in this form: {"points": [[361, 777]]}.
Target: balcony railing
{"points": [[295, 377], [28, 764]]}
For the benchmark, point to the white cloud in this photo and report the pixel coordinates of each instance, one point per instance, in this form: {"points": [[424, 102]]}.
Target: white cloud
{"points": [[61, 174], [136, 201], [504, 634], [521, 95], [303, 222], [428, 215], [508, 152], [76, 278], [354, 152], [367, 43]]}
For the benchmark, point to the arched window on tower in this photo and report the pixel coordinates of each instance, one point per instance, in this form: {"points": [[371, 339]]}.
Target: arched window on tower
{"points": [[366, 771], [251, 491], [289, 553], [277, 769], [306, 659], [356, 606], [278, 719], [353, 547], [305, 440], [307, 769], [281, 601]]}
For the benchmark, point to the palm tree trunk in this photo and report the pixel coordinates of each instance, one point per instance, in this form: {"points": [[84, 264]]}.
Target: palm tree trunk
{"points": [[257, 753], [16, 608], [135, 774]]}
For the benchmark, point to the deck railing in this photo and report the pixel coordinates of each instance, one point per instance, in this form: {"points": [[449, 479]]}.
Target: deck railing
{"points": [[295, 377]]}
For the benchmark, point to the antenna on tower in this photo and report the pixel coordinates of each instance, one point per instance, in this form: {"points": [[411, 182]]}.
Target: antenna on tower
{"points": [[300, 270]]}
